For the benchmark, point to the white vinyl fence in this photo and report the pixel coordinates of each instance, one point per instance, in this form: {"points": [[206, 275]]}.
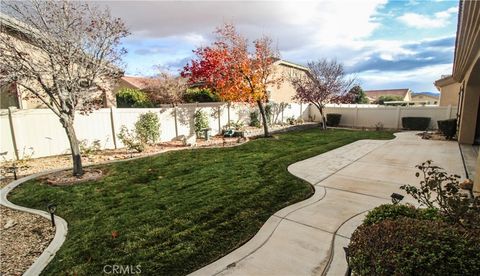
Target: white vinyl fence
{"points": [[389, 116], [39, 131]]}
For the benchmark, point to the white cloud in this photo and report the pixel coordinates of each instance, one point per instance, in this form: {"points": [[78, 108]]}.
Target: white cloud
{"points": [[387, 79], [292, 24], [438, 20]]}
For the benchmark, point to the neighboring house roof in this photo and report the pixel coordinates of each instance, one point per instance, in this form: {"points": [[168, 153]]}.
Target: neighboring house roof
{"points": [[375, 94], [444, 81], [291, 64], [14, 26], [137, 82]]}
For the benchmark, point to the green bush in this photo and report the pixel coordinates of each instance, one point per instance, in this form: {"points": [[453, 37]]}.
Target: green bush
{"points": [[409, 246], [396, 211], [148, 128], [89, 149], [200, 95], [291, 120], [254, 121], [448, 128], [200, 120], [415, 123], [127, 98], [130, 139], [388, 98], [333, 119]]}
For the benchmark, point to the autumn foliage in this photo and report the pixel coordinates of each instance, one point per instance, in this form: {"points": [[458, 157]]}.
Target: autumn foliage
{"points": [[235, 74]]}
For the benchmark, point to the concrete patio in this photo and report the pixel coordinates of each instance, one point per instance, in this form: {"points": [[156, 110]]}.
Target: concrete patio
{"points": [[307, 238]]}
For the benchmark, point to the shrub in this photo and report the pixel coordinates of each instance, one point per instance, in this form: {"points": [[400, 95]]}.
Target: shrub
{"points": [[89, 149], [396, 211], [200, 120], [388, 98], [415, 123], [128, 97], [409, 246], [130, 139], [254, 121], [238, 125], [291, 120], [148, 128], [448, 128], [440, 190], [200, 95], [379, 126], [333, 119]]}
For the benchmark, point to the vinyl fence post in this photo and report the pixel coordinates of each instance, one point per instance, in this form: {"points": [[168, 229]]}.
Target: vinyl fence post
{"points": [[175, 119], [399, 111], [219, 120], [12, 132], [301, 107], [228, 113], [355, 122], [112, 124]]}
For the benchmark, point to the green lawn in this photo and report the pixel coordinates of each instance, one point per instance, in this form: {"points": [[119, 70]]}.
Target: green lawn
{"points": [[179, 211]]}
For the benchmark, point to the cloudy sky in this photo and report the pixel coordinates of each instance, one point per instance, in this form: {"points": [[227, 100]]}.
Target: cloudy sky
{"points": [[386, 43]]}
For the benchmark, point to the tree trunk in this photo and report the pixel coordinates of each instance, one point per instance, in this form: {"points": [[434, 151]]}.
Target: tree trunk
{"points": [[264, 119], [74, 146], [324, 120]]}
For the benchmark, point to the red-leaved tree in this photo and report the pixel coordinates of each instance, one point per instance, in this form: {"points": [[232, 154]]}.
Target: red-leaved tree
{"points": [[327, 82], [235, 74]]}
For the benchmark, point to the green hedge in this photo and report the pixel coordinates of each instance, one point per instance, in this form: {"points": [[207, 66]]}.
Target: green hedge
{"points": [[396, 211], [128, 98], [415, 123], [333, 119], [200, 95], [448, 128], [409, 246]]}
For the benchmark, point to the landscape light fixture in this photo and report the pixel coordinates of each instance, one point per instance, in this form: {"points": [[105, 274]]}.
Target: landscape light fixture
{"points": [[14, 170], [396, 198], [52, 207]]}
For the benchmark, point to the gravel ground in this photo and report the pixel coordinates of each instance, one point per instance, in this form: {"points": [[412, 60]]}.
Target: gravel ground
{"points": [[23, 237]]}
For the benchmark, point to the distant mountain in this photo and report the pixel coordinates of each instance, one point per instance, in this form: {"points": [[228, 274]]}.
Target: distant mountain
{"points": [[427, 93]]}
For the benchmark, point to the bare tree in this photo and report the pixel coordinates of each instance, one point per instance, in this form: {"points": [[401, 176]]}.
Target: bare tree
{"points": [[327, 82], [63, 53], [165, 89]]}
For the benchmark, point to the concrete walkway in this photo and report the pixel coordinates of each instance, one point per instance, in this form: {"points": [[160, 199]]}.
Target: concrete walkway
{"points": [[307, 238]]}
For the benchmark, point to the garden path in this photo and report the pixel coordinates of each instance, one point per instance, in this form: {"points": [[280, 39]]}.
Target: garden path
{"points": [[307, 238]]}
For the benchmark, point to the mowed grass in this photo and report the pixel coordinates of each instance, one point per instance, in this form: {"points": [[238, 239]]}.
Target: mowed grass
{"points": [[179, 211]]}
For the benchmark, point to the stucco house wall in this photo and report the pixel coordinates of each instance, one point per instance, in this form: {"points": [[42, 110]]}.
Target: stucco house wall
{"points": [[285, 92], [23, 43], [449, 91]]}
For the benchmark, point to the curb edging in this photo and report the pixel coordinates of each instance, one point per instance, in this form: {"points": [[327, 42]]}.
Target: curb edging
{"points": [[61, 226]]}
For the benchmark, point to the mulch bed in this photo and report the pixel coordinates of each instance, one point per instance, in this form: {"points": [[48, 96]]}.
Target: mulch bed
{"points": [[23, 237], [65, 178], [433, 135]]}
